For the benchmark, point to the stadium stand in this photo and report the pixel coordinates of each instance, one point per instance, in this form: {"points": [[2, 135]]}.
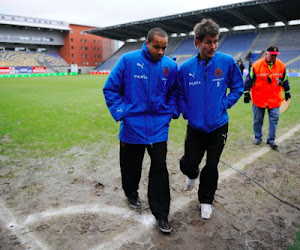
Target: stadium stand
{"points": [[173, 44], [111, 61], [291, 58], [241, 45], [19, 59], [237, 44], [265, 39], [14, 59], [185, 50], [248, 29], [186, 47], [55, 45], [182, 58], [26, 41], [53, 59], [288, 39], [289, 46]]}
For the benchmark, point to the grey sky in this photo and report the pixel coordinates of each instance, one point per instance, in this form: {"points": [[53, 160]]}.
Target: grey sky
{"points": [[104, 12]]}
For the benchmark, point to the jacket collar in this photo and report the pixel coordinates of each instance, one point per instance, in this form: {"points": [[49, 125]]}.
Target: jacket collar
{"points": [[270, 64], [146, 53], [203, 62]]}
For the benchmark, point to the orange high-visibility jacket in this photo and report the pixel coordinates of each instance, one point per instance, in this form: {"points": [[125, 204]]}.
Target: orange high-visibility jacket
{"points": [[265, 94]]}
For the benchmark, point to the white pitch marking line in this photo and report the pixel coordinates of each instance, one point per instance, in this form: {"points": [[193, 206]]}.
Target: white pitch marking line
{"points": [[81, 209], [120, 239], [74, 210], [132, 233], [178, 204], [21, 231], [251, 158]]}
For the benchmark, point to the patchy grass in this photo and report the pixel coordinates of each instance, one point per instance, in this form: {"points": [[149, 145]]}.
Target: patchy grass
{"points": [[44, 116], [296, 246]]}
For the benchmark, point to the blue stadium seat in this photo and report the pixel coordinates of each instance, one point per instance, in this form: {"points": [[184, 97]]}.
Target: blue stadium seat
{"points": [[237, 45]]}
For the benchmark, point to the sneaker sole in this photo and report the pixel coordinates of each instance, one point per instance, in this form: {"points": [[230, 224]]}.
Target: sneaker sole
{"points": [[165, 230], [135, 207], [207, 212], [206, 218]]}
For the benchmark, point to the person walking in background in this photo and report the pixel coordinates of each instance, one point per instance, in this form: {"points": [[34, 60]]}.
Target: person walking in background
{"points": [[241, 65], [202, 90], [140, 92], [266, 80]]}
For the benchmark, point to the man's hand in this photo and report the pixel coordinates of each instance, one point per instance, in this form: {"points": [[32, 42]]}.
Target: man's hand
{"points": [[287, 95], [247, 97]]}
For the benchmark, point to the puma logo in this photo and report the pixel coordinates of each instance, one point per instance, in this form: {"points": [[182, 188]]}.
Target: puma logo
{"points": [[140, 65], [225, 137]]}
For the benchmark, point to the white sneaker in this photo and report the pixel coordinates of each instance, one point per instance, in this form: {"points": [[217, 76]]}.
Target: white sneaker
{"points": [[189, 183], [206, 211]]}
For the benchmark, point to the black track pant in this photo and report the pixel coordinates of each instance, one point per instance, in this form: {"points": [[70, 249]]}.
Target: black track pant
{"points": [[131, 159], [196, 144]]}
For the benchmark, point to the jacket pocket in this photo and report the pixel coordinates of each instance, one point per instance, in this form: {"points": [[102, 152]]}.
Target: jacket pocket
{"points": [[223, 106]]}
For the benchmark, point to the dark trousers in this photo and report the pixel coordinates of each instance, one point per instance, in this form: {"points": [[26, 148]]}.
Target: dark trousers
{"points": [[131, 159], [196, 144]]}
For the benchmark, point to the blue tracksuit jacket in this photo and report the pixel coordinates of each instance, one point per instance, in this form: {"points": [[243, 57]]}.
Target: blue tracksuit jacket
{"points": [[142, 94], [202, 91]]}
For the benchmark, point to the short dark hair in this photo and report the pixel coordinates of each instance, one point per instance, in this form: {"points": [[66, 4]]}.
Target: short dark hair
{"points": [[156, 31], [206, 27]]}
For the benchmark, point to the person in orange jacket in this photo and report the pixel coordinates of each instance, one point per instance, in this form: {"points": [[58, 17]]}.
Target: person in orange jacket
{"points": [[266, 80]]}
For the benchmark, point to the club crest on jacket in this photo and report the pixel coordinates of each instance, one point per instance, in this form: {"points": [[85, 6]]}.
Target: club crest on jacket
{"points": [[166, 71], [218, 72]]}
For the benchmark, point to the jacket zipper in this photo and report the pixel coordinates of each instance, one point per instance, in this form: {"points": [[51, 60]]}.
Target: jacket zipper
{"points": [[157, 90], [147, 102], [205, 115]]}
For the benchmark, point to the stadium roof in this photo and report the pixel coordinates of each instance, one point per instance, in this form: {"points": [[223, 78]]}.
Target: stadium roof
{"points": [[33, 22], [228, 16]]}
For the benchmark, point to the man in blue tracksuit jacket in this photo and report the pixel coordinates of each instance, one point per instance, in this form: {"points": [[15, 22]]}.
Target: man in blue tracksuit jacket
{"points": [[141, 93], [203, 81]]}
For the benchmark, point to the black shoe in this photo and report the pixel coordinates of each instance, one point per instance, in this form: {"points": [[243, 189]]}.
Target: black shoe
{"points": [[134, 201], [257, 142], [272, 144], [164, 225]]}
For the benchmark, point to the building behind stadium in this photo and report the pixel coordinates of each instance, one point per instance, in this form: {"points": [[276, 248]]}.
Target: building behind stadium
{"points": [[30, 44]]}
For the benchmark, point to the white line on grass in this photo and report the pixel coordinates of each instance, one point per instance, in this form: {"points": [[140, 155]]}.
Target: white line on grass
{"points": [[136, 231], [24, 235], [178, 204], [251, 158], [145, 221], [75, 210]]}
